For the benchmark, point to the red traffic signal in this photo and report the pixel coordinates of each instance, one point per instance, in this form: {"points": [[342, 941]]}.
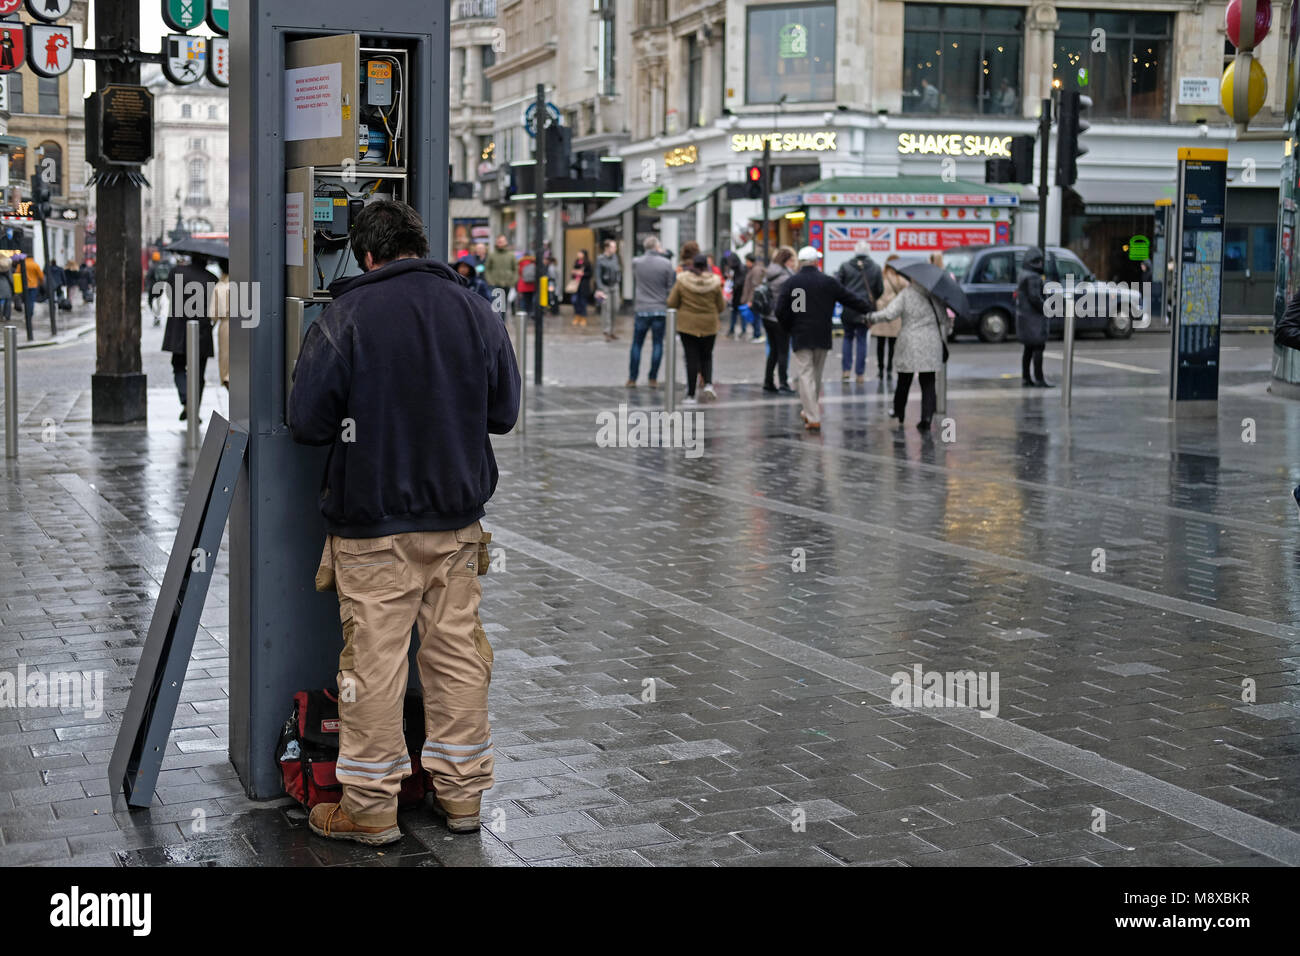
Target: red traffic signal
{"points": [[755, 182]]}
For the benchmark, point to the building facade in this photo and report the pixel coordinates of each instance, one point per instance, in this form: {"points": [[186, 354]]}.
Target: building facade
{"points": [[46, 124], [875, 90], [188, 176], [476, 40]]}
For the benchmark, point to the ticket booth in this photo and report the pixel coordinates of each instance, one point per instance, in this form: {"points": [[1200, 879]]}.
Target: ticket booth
{"points": [[912, 216], [333, 105]]}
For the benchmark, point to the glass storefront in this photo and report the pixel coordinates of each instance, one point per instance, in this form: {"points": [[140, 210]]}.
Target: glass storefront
{"points": [[959, 59], [1120, 60], [790, 52]]}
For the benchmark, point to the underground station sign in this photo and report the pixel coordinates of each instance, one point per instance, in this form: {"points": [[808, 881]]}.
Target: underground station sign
{"points": [[119, 122]]}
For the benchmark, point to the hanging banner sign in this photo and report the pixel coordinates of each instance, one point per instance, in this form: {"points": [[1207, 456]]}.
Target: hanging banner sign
{"points": [[48, 10], [219, 61], [185, 57], [13, 47], [219, 16], [184, 15], [49, 49]]}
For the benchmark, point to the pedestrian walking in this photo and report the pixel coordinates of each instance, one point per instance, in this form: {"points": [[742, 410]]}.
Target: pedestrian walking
{"points": [[653, 277], [554, 292], [609, 287], [193, 284], [697, 297], [579, 286], [500, 272], [86, 279], [33, 279], [1287, 334], [690, 249], [219, 313], [805, 311], [526, 285], [477, 284], [861, 276], [404, 490], [886, 333], [921, 349], [753, 275], [1031, 323], [155, 282], [763, 302], [6, 288]]}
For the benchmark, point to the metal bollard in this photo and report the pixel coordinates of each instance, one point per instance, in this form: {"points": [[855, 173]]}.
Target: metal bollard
{"points": [[1067, 372], [670, 362], [521, 359], [941, 390], [11, 391], [193, 367]]}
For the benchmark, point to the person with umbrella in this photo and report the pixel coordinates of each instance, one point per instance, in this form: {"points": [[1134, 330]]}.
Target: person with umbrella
{"points": [[921, 349], [1031, 323], [193, 284]]}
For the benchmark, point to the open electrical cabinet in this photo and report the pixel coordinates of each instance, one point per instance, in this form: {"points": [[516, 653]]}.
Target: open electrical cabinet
{"points": [[346, 145]]}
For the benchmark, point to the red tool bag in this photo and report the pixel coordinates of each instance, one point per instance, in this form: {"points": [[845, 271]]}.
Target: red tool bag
{"points": [[308, 749]]}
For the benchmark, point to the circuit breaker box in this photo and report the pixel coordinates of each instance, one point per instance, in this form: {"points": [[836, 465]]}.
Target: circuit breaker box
{"points": [[334, 105]]}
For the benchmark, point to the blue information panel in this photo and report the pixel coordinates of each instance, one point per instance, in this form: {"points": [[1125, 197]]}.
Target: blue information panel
{"points": [[1202, 198]]}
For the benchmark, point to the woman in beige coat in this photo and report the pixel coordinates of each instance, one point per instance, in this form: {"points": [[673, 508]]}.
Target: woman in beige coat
{"points": [[697, 297], [219, 313]]}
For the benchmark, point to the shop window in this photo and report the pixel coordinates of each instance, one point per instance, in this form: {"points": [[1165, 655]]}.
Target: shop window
{"points": [[790, 53], [1120, 60], [18, 165], [960, 59]]}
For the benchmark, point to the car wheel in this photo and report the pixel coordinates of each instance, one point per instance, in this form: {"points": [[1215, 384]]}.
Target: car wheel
{"points": [[994, 326], [1119, 327]]}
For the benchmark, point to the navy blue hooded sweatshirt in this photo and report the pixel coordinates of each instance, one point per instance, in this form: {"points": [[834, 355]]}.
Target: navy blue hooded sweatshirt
{"points": [[425, 371]]}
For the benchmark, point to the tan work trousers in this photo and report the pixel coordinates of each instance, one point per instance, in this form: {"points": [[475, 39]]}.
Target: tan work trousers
{"points": [[384, 586]]}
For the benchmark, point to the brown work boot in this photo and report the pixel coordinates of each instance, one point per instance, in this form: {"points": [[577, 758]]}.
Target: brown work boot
{"points": [[329, 820], [459, 821]]}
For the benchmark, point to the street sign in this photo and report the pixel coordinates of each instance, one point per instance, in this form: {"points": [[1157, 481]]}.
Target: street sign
{"points": [[184, 57], [49, 10], [530, 117], [119, 126], [184, 15], [657, 197], [13, 48], [49, 49], [219, 61], [219, 16], [1198, 278]]}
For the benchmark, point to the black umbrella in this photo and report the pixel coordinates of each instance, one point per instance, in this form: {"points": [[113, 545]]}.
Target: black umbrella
{"points": [[212, 248], [939, 283]]}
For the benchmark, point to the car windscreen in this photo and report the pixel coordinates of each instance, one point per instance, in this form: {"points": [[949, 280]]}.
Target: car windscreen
{"points": [[958, 263]]}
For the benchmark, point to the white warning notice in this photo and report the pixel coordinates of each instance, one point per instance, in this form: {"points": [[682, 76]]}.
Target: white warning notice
{"points": [[293, 237], [313, 107]]}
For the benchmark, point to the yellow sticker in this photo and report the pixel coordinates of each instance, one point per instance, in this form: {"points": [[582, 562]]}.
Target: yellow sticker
{"points": [[347, 111], [340, 202], [379, 70]]}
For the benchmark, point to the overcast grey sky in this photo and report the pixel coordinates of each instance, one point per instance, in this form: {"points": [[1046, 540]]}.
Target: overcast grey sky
{"points": [[152, 28]]}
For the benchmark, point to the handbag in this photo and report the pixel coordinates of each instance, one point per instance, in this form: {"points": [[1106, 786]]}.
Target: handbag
{"points": [[571, 287]]}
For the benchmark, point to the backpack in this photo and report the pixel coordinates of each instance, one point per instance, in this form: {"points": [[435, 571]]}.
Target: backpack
{"points": [[529, 274], [761, 302], [308, 749]]}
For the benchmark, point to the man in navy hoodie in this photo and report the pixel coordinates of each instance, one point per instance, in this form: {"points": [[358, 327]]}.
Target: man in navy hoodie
{"points": [[405, 376]]}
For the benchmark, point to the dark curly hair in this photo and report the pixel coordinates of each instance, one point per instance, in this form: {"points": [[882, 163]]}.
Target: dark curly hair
{"points": [[388, 230]]}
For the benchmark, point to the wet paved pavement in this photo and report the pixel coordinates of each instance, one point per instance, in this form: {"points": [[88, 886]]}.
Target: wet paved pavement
{"points": [[694, 655]]}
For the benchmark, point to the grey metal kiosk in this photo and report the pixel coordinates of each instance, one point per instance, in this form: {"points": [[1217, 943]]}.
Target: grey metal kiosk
{"points": [[333, 103]]}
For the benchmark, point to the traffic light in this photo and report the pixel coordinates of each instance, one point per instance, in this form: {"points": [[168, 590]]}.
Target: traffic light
{"points": [[755, 179], [41, 208], [1071, 127], [1022, 159], [1018, 169]]}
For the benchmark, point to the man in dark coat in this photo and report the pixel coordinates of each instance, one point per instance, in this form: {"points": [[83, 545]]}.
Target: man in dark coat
{"points": [[405, 377], [191, 290], [1031, 323], [805, 309], [861, 276]]}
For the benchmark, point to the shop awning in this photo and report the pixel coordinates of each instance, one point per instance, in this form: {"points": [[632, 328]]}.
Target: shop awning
{"points": [[687, 200], [12, 141], [613, 210], [1122, 199]]}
